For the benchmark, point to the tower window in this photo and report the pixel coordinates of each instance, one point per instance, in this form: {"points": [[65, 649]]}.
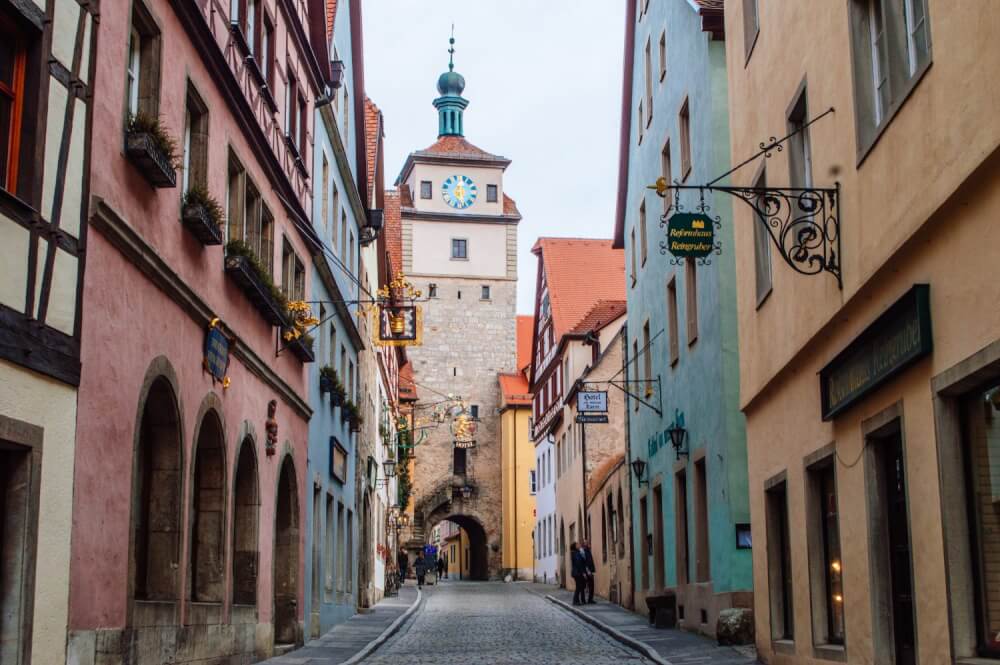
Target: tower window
{"points": [[491, 193], [486, 292], [432, 290], [425, 189], [459, 248]]}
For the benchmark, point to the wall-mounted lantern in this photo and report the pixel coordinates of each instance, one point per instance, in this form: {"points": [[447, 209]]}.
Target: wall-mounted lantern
{"points": [[678, 435], [639, 469], [337, 70], [389, 466]]}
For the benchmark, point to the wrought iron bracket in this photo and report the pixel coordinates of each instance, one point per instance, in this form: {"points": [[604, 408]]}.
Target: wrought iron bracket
{"points": [[651, 395], [803, 223]]}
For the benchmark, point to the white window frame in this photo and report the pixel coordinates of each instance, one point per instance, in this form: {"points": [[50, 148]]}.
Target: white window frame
{"points": [[133, 70]]}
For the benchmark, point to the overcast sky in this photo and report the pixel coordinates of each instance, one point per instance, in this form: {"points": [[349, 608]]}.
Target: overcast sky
{"points": [[543, 78]]}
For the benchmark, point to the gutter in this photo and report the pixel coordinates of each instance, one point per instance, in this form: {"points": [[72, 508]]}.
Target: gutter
{"points": [[626, 125]]}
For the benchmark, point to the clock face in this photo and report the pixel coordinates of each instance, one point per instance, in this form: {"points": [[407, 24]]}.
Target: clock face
{"points": [[459, 192]]}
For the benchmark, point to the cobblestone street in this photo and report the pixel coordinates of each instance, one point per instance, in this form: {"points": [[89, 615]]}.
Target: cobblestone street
{"points": [[499, 624]]}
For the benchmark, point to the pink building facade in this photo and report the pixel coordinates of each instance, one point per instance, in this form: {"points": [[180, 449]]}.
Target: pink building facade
{"points": [[187, 536]]}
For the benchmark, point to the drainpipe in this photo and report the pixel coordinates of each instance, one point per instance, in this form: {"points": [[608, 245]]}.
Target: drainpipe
{"points": [[594, 341], [516, 474], [628, 456]]}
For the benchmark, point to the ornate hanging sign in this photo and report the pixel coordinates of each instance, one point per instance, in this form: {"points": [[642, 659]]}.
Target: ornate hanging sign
{"points": [[690, 235], [463, 429], [216, 355], [399, 325]]}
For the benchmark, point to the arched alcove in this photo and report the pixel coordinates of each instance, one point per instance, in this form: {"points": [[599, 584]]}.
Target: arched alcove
{"points": [[208, 514], [286, 556], [246, 508]]}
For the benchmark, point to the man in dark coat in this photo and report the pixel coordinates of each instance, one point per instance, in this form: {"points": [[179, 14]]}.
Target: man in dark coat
{"points": [[403, 563], [441, 567], [578, 568], [588, 560], [420, 566]]}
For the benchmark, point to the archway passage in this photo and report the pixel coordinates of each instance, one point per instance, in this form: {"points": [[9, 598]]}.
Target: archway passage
{"points": [[208, 514], [156, 492], [475, 556], [286, 557], [246, 505]]}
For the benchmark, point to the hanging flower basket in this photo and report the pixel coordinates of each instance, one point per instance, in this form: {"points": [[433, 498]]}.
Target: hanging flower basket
{"points": [[246, 272], [302, 347], [201, 214], [152, 150]]}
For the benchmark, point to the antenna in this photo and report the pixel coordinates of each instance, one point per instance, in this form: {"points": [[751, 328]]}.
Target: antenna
{"points": [[451, 49]]}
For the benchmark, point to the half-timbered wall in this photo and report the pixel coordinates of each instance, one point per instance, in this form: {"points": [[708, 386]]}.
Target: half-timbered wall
{"points": [[46, 94]]}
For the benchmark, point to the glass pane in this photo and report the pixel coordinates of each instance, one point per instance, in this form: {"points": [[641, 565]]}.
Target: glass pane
{"points": [[985, 481], [7, 53], [831, 546], [5, 118]]}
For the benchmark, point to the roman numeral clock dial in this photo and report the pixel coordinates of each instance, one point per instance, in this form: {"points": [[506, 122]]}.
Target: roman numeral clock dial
{"points": [[459, 192]]}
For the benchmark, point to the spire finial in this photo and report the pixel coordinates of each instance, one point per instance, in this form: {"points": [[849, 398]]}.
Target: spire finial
{"points": [[451, 50]]}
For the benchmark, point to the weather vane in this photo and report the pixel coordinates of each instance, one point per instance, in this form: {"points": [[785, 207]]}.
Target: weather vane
{"points": [[451, 49]]}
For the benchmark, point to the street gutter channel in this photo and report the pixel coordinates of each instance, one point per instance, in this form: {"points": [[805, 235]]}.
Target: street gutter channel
{"points": [[387, 633], [640, 646]]}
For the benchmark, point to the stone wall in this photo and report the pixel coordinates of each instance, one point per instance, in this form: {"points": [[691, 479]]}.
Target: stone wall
{"points": [[466, 342]]}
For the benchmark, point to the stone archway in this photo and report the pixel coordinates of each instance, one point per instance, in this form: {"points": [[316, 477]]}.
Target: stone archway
{"points": [[206, 574], [157, 496], [478, 552], [286, 557]]}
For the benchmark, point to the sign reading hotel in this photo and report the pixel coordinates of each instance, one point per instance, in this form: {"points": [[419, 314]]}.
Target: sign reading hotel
{"points": [[592, 401], [690, 235], [897, 339]]}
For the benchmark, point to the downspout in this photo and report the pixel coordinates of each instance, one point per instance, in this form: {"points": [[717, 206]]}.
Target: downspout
{"points": [[628, 455], [517, 552], [595, 346]]}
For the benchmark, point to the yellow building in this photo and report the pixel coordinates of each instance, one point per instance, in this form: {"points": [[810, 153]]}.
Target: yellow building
{"points": [[518, 462]]}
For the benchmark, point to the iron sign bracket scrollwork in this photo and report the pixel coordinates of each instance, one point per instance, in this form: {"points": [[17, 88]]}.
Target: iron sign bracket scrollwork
{"points": [[645, 391], [802, 222], [702, 208]]}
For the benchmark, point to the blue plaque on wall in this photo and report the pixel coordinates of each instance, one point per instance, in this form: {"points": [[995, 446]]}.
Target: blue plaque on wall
{"points": [[216, 353]]}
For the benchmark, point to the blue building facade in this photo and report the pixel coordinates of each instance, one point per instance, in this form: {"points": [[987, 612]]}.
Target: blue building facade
{"points": [[690, 512], [332, 520]]}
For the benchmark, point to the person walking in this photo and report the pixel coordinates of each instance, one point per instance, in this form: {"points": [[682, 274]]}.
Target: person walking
{"points": [[578, 568], [445, 559], [420, 566], [588, 560], [441, 567], [403, 563]]}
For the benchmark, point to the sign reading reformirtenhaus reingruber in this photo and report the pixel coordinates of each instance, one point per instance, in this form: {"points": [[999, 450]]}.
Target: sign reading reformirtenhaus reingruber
{"points": [[690, 235]]}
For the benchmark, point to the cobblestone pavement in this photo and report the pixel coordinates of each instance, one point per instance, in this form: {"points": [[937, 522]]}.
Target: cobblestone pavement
{"points": [[497, 624]]}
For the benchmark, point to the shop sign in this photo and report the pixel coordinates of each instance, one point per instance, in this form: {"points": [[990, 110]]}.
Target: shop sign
{"points": [[897, 339], [690, 235], [338, 460], [592, 418], [399, 325], [592, 401], [216, 360]]}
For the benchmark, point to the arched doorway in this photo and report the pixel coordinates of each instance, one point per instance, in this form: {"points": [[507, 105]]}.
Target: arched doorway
{"points": [[286, 557], [246, 506], [208, 516], [156, 493], [476, 556]]}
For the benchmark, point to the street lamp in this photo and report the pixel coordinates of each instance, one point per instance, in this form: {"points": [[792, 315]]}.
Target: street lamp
{"points": [[404, 520], [678, 437], [639, 469], [389, 465], [466, 491]]}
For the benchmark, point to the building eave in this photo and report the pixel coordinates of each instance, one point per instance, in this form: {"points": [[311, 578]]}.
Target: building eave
{"points": [[625, 130]]}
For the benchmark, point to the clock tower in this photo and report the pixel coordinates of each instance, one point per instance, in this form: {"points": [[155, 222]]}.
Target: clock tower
{"points": [[459, 233]]}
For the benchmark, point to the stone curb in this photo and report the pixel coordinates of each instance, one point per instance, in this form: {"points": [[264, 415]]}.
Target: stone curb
{"points": [[386, 634], [640, 646]]}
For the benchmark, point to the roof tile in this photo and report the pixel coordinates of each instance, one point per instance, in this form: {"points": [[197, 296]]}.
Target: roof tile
{"points": [[600, 315], [580, 272]]}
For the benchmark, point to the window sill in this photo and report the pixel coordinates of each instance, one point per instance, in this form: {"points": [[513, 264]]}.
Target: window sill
{"points": [[692, 340], [763, 298], [783, 646], [663, 75], [459, 258], [753, 44], [830, 652]]}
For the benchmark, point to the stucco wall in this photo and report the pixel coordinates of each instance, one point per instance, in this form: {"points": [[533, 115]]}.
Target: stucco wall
{"points": [[432, 250], [546, 546], [703, 383], [438, 173], [518, 501], [51, 405]]}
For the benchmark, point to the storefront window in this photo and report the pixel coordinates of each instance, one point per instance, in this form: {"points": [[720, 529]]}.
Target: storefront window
{"points": [[983, 421], [831, 552]]}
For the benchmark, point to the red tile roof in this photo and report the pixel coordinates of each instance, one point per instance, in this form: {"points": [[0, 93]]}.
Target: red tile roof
{"points": [[405, 196], [373, 135], [514, 390], [600, 315], [580, 272], [510, 207], [525, 328], [393, 231], [455, 146]]}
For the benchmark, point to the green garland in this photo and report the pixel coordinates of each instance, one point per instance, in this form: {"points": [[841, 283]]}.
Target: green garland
{"points": [[402, 479]]}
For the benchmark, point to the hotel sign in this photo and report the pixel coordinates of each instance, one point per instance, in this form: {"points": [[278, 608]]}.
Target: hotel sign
{"points": [[897, 339], [592, 401], [690, 235]]}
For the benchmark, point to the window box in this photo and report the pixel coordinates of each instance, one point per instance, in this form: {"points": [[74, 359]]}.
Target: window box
{"points": [[242, 271], [302, 347], [196, 219], [144, 151]]}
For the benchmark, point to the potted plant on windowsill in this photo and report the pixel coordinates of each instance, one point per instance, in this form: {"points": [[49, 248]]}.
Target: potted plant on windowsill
{"points": [[201, 214], [330, 383], [352, 414], [245, 269], [151, 149], [302, 347]]}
